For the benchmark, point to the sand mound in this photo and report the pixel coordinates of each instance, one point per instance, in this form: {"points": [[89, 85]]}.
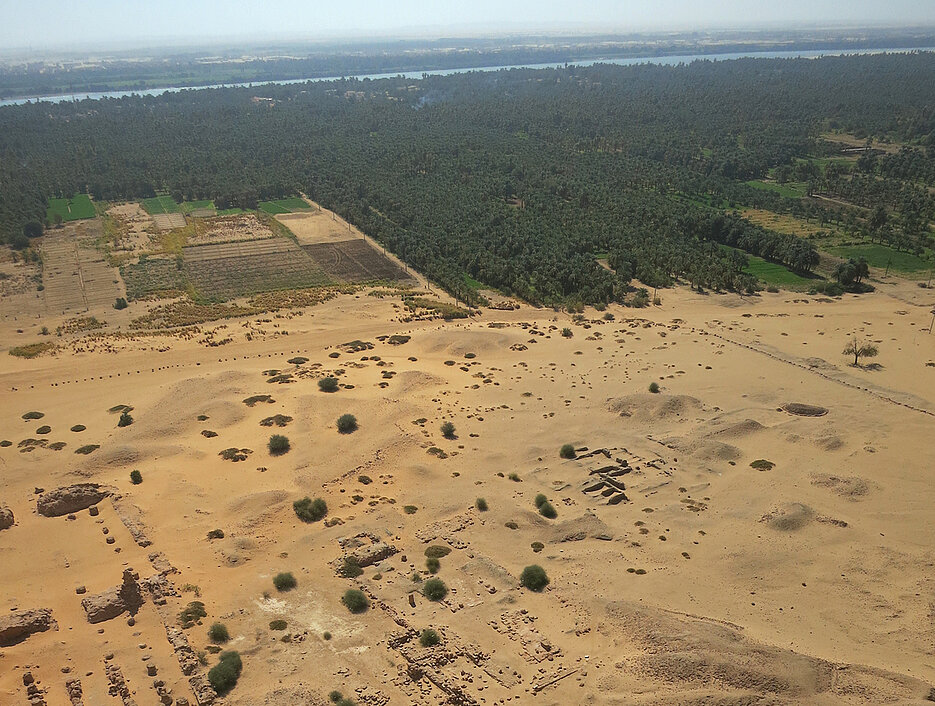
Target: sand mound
{"points": [[850, 488], [789, 518], [740, 429], [457, 343], [579, 528], [178, 409], [829, 442], [804, 410], [647, 407], [704, 449], [412, 380], [249, 504]]}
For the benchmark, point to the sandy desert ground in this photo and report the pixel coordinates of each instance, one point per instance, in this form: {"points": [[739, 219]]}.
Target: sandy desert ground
{"points": [[709, 582]]}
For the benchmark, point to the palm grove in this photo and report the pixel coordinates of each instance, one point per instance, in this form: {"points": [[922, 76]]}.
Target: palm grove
{"points": [[519, 178]]}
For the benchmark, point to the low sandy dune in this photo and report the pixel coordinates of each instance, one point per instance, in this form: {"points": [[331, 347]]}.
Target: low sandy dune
{"points": [[679, 573]]}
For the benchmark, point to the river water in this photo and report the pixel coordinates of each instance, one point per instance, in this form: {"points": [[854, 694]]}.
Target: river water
{"points": [[630, 61]]}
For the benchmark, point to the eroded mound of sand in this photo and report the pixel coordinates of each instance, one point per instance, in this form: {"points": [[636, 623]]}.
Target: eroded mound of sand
{"points": [[178, 409], [789, 518], [740, 429], [584, 527], [851, 488], [457, 343], [704, 449], [412, 380], [804, 410], [647, 407]]}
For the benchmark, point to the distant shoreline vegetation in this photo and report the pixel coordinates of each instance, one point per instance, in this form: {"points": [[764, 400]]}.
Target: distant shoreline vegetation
{"points": [[115, 78]]}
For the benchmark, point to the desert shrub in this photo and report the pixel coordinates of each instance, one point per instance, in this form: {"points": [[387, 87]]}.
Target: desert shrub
{"points": [[448, 430], [277, 420], [5, 443], [125, 419], [347, 423], [86, 449], [202, 417], [534, 578], [434, 589], [234, 454], [537, 547], [334, 354], [761, 464], [284, 581], [437, 551], [429, 638], [136, 477], [514, 477], [250, 401], [328, 384], [349, 568], [335, 696], [355, 600], [192, 614], [44, 429], [540, 500], [608, 316], [326, 635], [223, 676], [654, 387], [364, 480], [216, 534], [78, 427], [298, 360], [546, 510], [410, 509], [511, 525], [433, 565], [120, 303], [567, 451], [33, 415], [772, 289], [218, 633], [279, 624], [481, 504], [309, 510], [278, 445], [566, 332]]}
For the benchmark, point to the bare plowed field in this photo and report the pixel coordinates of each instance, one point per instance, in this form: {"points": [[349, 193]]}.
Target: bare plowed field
{"points": [[169, 221], [355, 261], [152, 276], [237, 269], [76, 278], [317, 227]]}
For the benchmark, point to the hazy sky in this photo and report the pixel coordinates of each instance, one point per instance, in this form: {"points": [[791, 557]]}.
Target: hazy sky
{"points": [[39, 23]]}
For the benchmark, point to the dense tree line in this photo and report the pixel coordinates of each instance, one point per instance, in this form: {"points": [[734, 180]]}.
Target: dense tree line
{"points": [[516, 178]]}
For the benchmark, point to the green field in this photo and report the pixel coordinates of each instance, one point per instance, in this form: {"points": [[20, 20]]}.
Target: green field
{"points": [[189, 206], [72, 209], [772, 272], [881, 255], [230, 212], [790, 190], [289, 205], [160, 204]]}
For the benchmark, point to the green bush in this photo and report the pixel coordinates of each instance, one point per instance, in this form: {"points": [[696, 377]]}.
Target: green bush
{"points": [[284, 581], [277, 624], [448, 430], [566, 332], [567, 451], [515, 477], [347, 423], [328, 384], [537, 547], [309, 510], [410, 509], [534, 578], [355, 600], [78, 427], [216, 534], [278, 445], [350, 569], [540, 500], [654, 387], [223, 676], [218, 633], [335, 696], [429, 638], [481, 504], [125, 419], [136, 477], [326, 635], [192, 613], [437, 551], [434, 589], [546, 510], [120, 303], [433, 565]]}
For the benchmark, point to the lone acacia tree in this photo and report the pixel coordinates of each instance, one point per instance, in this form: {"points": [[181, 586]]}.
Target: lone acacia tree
{"points": [[860, 349]]}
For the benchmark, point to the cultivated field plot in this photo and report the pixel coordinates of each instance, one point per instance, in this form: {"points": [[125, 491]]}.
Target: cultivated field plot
{"points": [[73, 209], [355, 261], [237, 269], [199, 209], [317, 227], [289, 205], [169, 221], [76, 278], [153, 275], [230, 230], [160, 204]]}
